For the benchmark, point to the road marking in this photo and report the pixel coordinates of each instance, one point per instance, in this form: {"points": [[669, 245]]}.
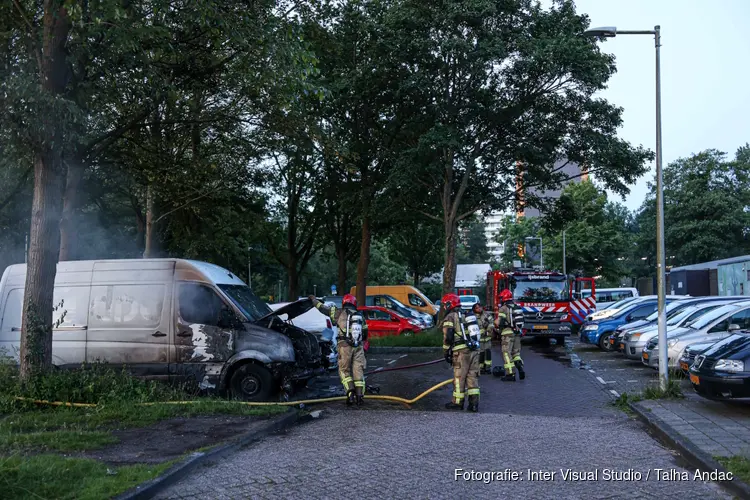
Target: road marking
{"points": [[614, 392], [620, 369], [631, 381], [402, 356], [392, 361], [601, 380], [592, 371]]}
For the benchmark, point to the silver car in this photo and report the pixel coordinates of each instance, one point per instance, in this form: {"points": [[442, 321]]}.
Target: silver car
{"points": [[636, 340], [713, 326]]}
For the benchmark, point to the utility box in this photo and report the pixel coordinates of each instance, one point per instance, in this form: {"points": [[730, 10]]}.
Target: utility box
{"points": [[693, 282], [645, 286], [713, 282]]}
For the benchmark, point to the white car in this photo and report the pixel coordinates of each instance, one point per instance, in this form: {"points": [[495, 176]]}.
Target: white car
{"points": [[613, 309], [468, 301], [713, 326]]}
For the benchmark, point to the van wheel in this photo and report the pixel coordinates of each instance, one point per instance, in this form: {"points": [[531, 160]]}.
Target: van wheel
{"points": [[251, 382]]}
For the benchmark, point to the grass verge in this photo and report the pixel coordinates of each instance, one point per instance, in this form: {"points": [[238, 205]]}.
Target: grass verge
{"points": [[426, 338], [53, 476], [673, 391], [739, 466]]}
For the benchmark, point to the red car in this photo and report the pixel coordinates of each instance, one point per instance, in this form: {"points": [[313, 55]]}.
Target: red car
{"points": [[382, 322]]}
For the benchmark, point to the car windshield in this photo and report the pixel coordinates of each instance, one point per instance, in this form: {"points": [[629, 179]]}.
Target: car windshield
{"points": [[534, 290], [620, 303], [469, 299], [712, 316], [243, 297], [401, 308], [676, 317], [671, 309]]}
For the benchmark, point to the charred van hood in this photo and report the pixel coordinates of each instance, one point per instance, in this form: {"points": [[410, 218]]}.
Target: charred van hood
{"points": [[292, 310]]}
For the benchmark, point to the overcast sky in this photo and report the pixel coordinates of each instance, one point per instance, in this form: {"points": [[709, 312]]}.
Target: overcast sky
{"points": [[705, 66]]}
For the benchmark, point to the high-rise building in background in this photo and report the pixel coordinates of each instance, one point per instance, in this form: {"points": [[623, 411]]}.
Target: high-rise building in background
{"points": [[572, 171], [493, 223]]}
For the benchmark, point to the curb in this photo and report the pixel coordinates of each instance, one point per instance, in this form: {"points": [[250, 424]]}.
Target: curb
{"points": [[396, 350], [692, 453], [180, 470]]}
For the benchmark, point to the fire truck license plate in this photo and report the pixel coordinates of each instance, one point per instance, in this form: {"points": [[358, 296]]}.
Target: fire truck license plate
{"points": [[539, 327]]}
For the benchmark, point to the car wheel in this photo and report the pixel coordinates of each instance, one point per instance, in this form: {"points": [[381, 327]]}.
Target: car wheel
{"points": [[604, 344], [251, 382]]}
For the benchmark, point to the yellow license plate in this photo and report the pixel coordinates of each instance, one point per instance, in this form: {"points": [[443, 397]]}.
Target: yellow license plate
{"points": [[684, 366], [540, 327], [645, 355], [694, 379]]}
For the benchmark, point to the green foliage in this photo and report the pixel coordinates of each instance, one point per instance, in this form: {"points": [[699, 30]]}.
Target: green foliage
{"points": [[53, 476], [383, 269], [475, 242], [737, 465], [420, 246], [514, 232]]}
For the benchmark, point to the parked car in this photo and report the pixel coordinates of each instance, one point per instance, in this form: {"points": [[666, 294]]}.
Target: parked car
{"points": [[607, 296], [715, 325], [723, 371], [634, 339], [690, 353], [425, 320], [597, 332], [679, 319], [616, 307], [174, 319], [382, 322], [406, 294], [615, 339], [468, 301]]}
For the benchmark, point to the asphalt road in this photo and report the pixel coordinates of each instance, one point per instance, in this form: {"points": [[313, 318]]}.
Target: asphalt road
{"points": [[529, 433]]}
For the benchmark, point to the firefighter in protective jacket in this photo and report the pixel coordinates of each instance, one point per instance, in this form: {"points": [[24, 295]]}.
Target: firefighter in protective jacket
{"points": [[510, 322], [461, 349], [352, 335], [486, 328]]}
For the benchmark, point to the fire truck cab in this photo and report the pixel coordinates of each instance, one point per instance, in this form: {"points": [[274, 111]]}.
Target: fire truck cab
{"points": [[552, 302]]}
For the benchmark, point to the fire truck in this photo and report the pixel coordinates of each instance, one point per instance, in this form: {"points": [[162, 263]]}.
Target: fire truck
{"points": [[552, 302]]}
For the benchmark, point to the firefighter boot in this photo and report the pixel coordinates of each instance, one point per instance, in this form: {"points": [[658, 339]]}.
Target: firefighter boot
{"points": [[473, 404], [454, 406], [521, 371], [350, 398], [510, 377], [360, 397]]}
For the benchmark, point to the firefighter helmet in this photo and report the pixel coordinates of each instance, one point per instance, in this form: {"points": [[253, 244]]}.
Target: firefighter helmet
{"points": [[349, 300], [450, 301], [506, 295]]}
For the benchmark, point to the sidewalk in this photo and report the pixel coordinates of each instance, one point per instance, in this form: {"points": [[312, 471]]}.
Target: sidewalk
{"points": [[716, 428]]}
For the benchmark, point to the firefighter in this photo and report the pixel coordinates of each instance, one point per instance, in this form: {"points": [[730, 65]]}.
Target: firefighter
{"points": [[510, 322], [352, 334], [461, 349], [486, 328]]}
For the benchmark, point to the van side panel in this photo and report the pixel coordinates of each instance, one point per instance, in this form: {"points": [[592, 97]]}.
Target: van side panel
{"points": [[130, 315], [406, 294]]}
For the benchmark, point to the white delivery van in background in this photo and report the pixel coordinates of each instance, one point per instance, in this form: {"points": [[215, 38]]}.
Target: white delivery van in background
{"points": [[169, 319], [605, 297]]}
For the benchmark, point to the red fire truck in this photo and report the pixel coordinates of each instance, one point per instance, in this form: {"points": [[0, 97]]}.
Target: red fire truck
{"points": [[551, 301]]}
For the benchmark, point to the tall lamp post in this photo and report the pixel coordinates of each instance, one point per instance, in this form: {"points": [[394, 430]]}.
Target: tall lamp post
{"points": [[609, 32]]}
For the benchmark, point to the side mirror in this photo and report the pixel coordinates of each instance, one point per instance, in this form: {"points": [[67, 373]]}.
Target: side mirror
{"points": [[734, 327], [227, 318]]}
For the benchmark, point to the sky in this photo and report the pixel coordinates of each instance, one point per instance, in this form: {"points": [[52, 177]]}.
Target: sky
{"points": [[705, 72]]}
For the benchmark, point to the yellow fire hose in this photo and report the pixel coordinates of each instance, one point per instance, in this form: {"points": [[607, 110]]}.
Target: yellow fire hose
{"points": [[394, 399]]}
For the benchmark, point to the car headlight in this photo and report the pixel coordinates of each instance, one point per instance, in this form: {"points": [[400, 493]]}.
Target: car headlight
{"points": [[729, 365], [672, 343], [591, 328], [635, 336], [564, 317]]}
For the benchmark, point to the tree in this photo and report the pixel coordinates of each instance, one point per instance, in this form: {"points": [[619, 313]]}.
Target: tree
{"points": [[513, 235], [418, 245], [504, 91], [476, 243], [595, 230], [706, 202]]}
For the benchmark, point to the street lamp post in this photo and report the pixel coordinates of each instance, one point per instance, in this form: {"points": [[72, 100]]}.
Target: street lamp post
{"points": [[565, 267], [609, 32]]}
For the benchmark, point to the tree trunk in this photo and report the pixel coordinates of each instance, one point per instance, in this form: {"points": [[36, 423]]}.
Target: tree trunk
{"points": [[293, 278], [341, 257], [417, 279], [149, 238], [44, 240], [364, 260], [68, 233], [449, 269]]}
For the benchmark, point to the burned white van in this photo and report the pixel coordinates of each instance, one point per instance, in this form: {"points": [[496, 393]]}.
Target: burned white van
{"points": [[170, 319]]}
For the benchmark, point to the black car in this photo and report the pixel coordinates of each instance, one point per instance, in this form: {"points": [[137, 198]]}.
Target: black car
{"points": [[723, 371]]}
